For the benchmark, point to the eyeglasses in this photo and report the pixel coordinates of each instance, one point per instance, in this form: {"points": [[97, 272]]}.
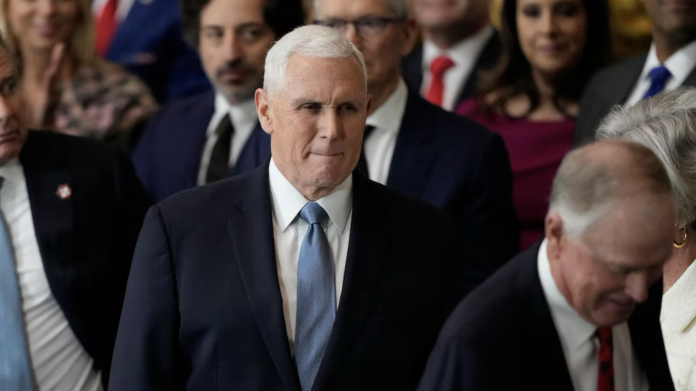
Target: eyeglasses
{"points": [[367, 26]]}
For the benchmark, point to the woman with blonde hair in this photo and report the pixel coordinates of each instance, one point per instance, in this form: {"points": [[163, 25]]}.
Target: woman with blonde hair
{"points": [[666, 124], [68, 89]]}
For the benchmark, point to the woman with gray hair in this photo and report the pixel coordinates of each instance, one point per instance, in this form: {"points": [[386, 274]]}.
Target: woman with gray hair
{"points": [[667, 125]]}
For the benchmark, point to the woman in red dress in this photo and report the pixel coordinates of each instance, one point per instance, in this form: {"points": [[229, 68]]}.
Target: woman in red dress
{"points": [[551, 48]]}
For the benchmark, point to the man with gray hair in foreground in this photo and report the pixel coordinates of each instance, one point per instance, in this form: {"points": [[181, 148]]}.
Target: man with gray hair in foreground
{"points": [[580, 309], [302, 274]]}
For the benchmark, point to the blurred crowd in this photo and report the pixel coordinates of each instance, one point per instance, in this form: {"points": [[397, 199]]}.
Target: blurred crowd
{"points": [[504, 193]]}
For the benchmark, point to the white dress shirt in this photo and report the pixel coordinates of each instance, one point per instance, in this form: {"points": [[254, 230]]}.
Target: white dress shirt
{"points": [[244, 120], [122, 9], [465, 55], [59, 362], [380, 144], [289, 231], [680, 64], [581, 347], [678, 320]]}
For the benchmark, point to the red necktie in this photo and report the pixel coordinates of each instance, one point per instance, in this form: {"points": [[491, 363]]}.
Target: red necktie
{"points": [[105, 25], [605, 375], [436, 90]]}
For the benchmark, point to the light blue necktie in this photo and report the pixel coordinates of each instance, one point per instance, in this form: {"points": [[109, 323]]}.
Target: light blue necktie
{"points": [[15, 367], [316, 296], [658, 80]]}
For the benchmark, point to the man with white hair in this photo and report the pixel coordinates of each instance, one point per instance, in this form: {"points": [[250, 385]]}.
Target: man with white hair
{"points": [[422, 150], [578, 311], [300, 274]]}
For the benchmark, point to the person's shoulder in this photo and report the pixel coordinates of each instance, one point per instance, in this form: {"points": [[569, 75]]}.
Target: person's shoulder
{"points": [[483, 317], [606, 76], [449, 127], [182, 106], [59, 151], [402, 211], [218, 198]]}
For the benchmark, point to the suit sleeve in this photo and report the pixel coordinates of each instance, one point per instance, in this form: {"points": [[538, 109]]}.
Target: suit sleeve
{"points": [[451, 368], [490, 222], [142, 155], [147, 355]]}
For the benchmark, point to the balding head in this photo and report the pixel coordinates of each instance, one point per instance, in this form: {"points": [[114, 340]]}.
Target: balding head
{"points": [[609, 228], [590, 179]]}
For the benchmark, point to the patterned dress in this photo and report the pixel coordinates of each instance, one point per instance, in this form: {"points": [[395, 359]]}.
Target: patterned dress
{"points": [[102, 102]]}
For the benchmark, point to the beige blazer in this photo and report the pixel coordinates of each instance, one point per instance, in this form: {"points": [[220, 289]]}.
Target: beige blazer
{"points": [[678, 320]]}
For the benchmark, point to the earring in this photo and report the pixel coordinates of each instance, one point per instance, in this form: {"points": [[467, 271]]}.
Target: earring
{"points": [[677, 245]]}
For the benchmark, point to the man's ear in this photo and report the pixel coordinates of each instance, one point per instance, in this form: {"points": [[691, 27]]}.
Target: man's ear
{"points": [[553, 229], [263, 110], [410, 32]]}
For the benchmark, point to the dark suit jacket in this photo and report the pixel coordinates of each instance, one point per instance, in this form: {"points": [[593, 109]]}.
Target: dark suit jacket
{"points": [[203, 308], [168, 156], [609, 87], [149, 44], [502, 337], [462, 168], [86, 241], [412, 67]]}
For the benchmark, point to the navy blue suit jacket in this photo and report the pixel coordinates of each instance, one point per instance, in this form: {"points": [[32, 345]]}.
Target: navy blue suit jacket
{"points": [[502, 337], [462, 168], [86, 240], [203, 308], [412, 66], [149, 43], [168, 156]]}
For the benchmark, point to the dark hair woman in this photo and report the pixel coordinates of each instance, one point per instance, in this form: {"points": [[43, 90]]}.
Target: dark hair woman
{"points": [[551, 48]]}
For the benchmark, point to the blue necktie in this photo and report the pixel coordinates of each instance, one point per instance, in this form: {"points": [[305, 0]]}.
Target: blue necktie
{"points": [[658, 79], [15, 367], [316, 296]]}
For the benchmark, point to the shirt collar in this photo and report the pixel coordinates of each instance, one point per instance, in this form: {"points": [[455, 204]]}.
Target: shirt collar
{"points": [[680, 64], [240, 113], [12, 171], [389, 115], [288, 201], [571, 327], [462, 52]]}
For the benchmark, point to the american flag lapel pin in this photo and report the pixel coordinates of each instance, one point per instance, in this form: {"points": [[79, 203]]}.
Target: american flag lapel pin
{"points": [[64, 191]]}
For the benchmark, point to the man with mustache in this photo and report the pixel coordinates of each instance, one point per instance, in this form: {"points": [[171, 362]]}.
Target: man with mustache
{"points": [[70, 213], [670, 63], [210, 136], [579, 310]]}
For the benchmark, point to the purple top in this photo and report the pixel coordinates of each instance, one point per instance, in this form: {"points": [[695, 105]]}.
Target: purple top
{"points": [[536, 149]]}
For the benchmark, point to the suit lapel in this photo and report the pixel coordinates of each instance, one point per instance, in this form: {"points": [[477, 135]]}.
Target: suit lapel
{"points": [[52, 214], [626, 81], [412, 160], [412, 66], [187, 143], [648, 344], [488, 58], [541, 343], [252, 238], [366, 252], [256, 150], [124, 30], [691, 79]]}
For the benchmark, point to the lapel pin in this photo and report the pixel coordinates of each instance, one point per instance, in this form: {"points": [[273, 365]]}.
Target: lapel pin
{"points": [[64, 192]]}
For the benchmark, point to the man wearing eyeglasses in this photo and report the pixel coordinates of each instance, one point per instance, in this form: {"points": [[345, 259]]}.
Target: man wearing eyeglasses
{"points": [[419, 149]]}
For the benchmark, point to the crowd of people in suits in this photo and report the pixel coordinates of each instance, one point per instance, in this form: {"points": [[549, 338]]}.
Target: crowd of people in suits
{"points": [[345, 195]]}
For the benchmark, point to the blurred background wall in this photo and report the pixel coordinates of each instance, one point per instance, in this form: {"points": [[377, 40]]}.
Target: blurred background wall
{"points": [[630, 26]]}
